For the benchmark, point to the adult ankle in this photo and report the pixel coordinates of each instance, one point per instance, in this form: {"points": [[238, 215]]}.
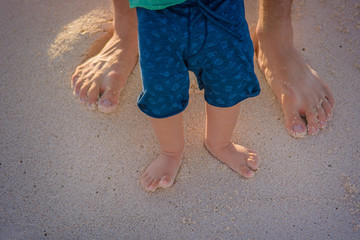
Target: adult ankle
{"points": [[278, 33]]}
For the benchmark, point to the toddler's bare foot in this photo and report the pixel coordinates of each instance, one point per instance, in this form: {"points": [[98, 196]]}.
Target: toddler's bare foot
{"points": [[99, 81], [304, 97], [161, 172], [240, 159]]}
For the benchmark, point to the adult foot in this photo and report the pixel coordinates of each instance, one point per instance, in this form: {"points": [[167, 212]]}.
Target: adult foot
{"points": [[240, 159], [306, 100], [99, 81], [161, 172]]}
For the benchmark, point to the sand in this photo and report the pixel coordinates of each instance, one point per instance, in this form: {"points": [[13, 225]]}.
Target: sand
{"points": [[69, 173]]}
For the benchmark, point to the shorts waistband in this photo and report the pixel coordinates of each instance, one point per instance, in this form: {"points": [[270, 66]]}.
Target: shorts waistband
{"points": [[218, 20]]}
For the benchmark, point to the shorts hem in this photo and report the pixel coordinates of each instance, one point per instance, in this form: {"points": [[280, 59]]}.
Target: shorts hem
{"points": [[162, 116], [236, 102]]}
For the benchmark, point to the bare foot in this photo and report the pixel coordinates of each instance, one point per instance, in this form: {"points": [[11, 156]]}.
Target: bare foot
{"points": [[161, 172], [240, 159], [304, 97], [99, 81]]}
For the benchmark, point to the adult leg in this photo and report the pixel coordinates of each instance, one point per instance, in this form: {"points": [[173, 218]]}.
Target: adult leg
{"points": [[99, 81], [220, 124], [305, 98], [163, 170]]}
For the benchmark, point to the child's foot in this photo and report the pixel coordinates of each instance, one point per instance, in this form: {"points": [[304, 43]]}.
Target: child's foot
{"points": [[240, 159], [161, 172]]}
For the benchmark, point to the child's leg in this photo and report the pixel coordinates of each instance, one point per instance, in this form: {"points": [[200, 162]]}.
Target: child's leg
{"points": [[220, 123], [170, 135]]}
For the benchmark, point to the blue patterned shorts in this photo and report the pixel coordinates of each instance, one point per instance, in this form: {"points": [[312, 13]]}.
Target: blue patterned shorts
{"points": [[210, 38]]}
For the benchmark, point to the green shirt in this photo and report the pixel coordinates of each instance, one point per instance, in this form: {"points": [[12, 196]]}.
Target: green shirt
{"points": [[154, 4]]}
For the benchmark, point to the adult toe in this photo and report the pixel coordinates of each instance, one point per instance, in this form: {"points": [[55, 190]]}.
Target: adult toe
{"points": [[108, 101], [92, 96], [110, 97], [330, 98], [75, 76], [321, 117], [312, 122], [78, 85], [83, 93], [327, 109], [294, 123]]}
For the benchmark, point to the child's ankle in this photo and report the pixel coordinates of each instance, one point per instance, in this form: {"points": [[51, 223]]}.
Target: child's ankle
{"points": [[175, 154], [214, 146]]}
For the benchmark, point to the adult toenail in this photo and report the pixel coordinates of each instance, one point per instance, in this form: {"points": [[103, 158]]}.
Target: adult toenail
{"points": [[83, 99], [107, 103], [91, 106], [298, 128]]}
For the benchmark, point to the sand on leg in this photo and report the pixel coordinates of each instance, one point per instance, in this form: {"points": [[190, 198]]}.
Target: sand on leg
{"points": [[99, 80], [163, 170], [220, 124], [305, 98]]}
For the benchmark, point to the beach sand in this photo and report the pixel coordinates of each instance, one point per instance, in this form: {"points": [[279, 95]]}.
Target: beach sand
{"points": [[69, 173]]}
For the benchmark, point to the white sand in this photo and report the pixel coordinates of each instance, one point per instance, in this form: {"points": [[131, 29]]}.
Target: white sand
{"points": [[68, 173]]}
